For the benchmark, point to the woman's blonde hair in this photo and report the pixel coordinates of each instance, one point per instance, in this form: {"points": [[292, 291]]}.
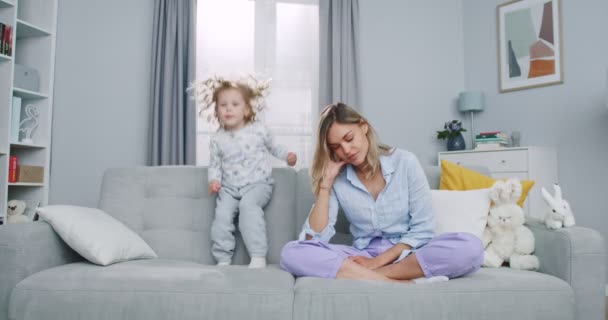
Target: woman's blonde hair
{"points": [[245, 91], [343, 114]]}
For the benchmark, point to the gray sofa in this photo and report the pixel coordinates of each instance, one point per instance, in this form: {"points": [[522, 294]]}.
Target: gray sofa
{"points": [[42, 278]]}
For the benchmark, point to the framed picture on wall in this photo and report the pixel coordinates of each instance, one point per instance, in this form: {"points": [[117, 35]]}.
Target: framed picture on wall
{"points": [[529, 44]]}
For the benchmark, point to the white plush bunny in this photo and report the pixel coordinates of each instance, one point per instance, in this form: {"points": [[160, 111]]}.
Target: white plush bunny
{"points": [[559, 213], [505, 238]]}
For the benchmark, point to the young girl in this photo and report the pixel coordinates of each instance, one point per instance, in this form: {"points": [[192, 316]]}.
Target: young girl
{"points": [[240, 171]]}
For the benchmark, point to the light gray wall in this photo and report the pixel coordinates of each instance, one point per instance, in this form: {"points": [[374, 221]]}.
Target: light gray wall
{"points": [[100, 116], [412, 69], [570, 117]]}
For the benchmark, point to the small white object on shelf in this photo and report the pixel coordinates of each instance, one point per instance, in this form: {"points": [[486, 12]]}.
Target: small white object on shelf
{"points": [[30, 123]]}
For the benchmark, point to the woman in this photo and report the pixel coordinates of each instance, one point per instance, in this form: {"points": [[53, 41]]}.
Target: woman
{"points": [[386, 198]]}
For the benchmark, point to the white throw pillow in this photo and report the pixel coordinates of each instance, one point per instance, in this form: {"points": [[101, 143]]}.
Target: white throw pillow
{"points": [[461, 211], [95, 235]]}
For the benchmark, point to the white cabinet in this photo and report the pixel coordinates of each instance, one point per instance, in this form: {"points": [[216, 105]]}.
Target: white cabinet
{"points": [[33, 33], [527, 163]]}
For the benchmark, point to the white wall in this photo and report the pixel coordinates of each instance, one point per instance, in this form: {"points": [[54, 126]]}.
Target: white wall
{"points": [[412, 70], [102, 72], [570, 117]]}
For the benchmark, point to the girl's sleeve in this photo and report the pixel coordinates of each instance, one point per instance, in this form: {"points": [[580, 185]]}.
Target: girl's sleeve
{"points": [[420, 207], [329, 231], [278, 151], [215, 161]]}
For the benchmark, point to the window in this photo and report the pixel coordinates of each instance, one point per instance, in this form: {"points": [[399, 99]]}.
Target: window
{"points": [[278, 39]]}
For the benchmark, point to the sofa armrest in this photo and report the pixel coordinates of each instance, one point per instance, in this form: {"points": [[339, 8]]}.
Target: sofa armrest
{"points": [[27, 248], [577, 256]]}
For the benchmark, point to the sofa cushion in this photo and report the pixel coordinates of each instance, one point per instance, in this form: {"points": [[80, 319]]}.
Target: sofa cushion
{"points": [[170, 209], [95, 235], [153, 289], [488, 294], [461, 211], [455, 177]]}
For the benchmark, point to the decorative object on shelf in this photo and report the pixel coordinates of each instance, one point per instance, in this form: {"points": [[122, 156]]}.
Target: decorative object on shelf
{"points": [[30, 123], [515, 138], [15, 210], [30, 174], [471, 101], [30, 209], [452, 131], [15, 118], [559, 213], [529, 44], [26, 78]]}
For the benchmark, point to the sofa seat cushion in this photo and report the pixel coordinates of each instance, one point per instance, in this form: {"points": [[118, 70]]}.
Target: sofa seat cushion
{"points": [[154, 289], [489, 294]]}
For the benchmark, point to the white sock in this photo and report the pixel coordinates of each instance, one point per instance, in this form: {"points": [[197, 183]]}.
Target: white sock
{"points": [[223, 263], [431, 279], [257, 262]]}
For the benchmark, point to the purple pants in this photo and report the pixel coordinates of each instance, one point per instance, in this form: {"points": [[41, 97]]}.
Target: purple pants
{"points": [[450, 254]]}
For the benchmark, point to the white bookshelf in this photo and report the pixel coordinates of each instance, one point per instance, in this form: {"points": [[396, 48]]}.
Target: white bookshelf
{"points": [[34, 25]]}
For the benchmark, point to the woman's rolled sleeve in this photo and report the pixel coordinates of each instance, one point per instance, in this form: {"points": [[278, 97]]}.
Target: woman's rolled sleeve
{"points": [[329, 231]]}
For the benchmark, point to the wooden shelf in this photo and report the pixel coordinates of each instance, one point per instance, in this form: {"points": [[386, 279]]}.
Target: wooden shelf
{"points": [[26, 184], [27, 94], [28, 30], [27, 146]]}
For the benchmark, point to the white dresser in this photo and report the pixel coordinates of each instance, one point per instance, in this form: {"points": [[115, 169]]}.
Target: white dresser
{"points": [[527, 163]]}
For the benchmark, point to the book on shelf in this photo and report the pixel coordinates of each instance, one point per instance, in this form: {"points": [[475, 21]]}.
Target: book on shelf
{"points": [[9, 51], [15, 119], [493, 134], [490, 146], [491, 139], [12, 169], [6, 42]]}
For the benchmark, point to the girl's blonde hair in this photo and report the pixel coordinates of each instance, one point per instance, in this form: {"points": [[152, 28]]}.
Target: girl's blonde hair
{"points": [[343, 114], [245, 91]]}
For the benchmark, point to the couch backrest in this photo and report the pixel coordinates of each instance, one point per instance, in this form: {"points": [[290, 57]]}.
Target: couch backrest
{"points": [[170, 209]]}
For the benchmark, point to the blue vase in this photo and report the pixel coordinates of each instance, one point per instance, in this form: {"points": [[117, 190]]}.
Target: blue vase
{"points": [[456, 143]]}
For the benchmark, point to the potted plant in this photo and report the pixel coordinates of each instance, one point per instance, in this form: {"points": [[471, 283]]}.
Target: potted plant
{"points": [[452, 131]]}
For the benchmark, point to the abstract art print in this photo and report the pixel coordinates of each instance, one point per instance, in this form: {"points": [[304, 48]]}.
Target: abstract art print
{"points": [[529, 44]]}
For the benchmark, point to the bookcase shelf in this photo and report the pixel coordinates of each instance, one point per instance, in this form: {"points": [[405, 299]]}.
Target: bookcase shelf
{"points": [[25, 184], [27, 146], [6, 4], [29, 30], [27, 94], [34, 25]]}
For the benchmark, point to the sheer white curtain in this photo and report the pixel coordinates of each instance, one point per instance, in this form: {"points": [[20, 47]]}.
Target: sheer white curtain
{"points": [[278, 39]]}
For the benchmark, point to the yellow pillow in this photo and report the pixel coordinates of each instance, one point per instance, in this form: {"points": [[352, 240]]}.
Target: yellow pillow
{"points": [[455, 177]]}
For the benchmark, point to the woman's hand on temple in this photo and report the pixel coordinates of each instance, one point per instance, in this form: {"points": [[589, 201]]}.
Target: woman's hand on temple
{"points": [[331, 171]]}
